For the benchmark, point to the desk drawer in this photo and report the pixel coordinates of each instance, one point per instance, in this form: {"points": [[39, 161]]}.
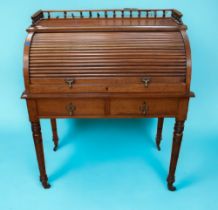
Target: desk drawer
{"points": [[144, 107], [70, 108], [109, 84]]}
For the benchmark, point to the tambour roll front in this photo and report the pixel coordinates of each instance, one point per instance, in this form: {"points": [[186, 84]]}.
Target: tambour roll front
{"points": [[127, 63]]}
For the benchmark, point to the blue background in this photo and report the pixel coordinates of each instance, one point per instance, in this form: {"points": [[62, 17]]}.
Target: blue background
{"points": [[110, 164]]}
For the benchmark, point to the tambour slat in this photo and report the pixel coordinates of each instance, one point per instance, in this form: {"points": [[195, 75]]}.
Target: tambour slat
{"points": [[123, 68], [78, 74], [35, 72], [129, 40], [110, 46], [155, 52], [115, 61], [103, 35], [110, 57], [72, 47], [73, 60], [108, 53]]}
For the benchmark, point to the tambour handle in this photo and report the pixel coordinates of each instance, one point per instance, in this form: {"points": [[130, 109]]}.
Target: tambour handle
{"points": [[69, 82], [146, 81]]}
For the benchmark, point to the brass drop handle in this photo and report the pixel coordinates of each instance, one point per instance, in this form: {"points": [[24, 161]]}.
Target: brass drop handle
{"points": [[143, 108], [146, 81], [70, 109], [69, 82]]}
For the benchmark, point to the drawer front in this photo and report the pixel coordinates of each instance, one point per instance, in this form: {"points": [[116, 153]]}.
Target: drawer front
{"points": [[144, 107], [70, 108], [108, 84], [101, 108]]}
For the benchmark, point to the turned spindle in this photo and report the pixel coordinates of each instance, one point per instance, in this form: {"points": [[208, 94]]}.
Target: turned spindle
{"points": [[155, 14], [81, 14], [105, 14], [90, 14], [130, 13], [122, 15]]}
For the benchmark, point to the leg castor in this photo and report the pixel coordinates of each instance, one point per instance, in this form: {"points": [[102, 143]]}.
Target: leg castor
{"points": [[170, 185], [158, 147], [55, 148], [44, 181]]}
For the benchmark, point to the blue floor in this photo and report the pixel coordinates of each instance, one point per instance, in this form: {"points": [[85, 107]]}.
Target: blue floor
{"points": [[108, 164]]}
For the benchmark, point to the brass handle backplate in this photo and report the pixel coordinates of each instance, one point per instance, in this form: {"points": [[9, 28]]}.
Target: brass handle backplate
{"points": [[70, 109], [143, 108], [69, 82], [146, 81]]}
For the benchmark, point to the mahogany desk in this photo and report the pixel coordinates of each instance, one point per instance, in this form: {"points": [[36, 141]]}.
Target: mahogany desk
{"points": [[128, 63]]}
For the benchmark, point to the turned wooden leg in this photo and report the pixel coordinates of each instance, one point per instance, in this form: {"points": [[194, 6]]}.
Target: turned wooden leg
{"points": [[159, 132], [177, 139], [54, 132], [37, 137]]}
